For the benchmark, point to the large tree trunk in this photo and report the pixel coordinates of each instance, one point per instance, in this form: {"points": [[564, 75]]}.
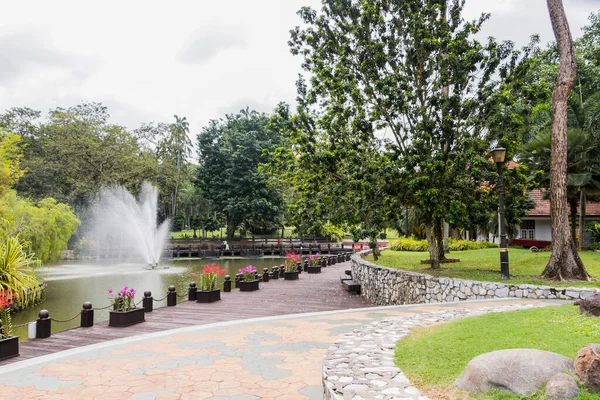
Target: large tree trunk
{"points": [[573, 208], [432, 246], [582, 211], [438, 230], [564, 262]]}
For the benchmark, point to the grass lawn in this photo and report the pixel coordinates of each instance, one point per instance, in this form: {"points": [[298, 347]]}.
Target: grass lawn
{"points": [[434, 357], [484, 265]]}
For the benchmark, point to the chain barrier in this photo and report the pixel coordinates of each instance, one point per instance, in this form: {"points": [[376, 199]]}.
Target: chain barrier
{"points": [[182, 296], [66, 320], [160, 299], [22, 325], [139, 302], [102, 308]]}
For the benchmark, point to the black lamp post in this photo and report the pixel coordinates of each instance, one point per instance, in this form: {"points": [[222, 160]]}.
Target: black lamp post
{"points": [[498, 154]]}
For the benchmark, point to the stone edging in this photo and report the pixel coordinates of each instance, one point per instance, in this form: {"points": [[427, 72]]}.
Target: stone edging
{"points": [[391, 286], [360, 365]]}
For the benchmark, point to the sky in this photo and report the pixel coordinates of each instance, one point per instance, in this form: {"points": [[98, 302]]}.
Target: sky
{"points": [[148, 60]]}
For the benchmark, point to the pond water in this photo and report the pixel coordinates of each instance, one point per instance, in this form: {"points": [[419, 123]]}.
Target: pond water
{"points": [[70, 284]]}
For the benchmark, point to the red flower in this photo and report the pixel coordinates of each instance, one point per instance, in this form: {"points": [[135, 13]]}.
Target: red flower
{"points": [[5, 298], [194, 275]]}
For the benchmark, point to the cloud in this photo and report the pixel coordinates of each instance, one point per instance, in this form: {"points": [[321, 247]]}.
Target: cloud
{"points": [[207, 42], [27, 51]]}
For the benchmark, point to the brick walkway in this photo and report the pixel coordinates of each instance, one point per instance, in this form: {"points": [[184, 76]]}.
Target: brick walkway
{"points": [[267, 358]]}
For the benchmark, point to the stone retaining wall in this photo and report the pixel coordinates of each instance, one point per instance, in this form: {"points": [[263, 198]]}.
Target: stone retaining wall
{"points": [[390, 286]]}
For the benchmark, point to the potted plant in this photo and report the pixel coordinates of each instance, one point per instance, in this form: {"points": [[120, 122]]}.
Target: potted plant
{"points": [[208, 291], [291, 267], [9, 345], [314, 263], [124, 312], [249, 283]]}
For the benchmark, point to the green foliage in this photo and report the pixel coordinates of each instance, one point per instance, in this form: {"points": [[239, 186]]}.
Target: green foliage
{"points": [[179, 221], [436, 356], [484, 265], [230, 152], [45, 227], [75, 151], [335, 232], [594, 246], [594, 229], [414, 70], [17, 272], [409, 244]]}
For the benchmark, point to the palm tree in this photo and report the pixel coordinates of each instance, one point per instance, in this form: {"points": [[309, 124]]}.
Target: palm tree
{"points": [[583, 168], [180, 144]]}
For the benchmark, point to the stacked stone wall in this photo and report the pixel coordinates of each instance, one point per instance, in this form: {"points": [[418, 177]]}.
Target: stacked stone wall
{"points": [[391, 286]]}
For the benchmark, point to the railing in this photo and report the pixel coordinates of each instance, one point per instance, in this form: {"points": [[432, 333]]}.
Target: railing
{"points": [[41, 328]]}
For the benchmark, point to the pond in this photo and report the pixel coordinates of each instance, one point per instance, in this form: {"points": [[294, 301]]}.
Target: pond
{"points": [[70, 284]]}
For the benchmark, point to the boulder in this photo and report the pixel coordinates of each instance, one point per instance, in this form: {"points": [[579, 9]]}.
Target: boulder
{"points": [[590, 305], [520, 371], [561, 386], [587, 366]]}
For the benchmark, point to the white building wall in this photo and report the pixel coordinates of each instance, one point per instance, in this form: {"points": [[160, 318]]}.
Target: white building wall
{"points": [[543, 228]]}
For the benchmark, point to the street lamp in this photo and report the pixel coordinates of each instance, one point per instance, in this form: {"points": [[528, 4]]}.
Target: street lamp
{"points": [[498, 154]]}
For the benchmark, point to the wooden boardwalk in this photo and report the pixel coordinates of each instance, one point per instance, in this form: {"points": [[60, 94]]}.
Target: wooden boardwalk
{"points": [[313, 292]]}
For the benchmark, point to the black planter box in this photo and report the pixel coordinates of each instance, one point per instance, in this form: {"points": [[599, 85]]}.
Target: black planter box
{"points": [[314, 270], [291, 276], [208, 297], [9, 347], [126, 318], [248, 286]]}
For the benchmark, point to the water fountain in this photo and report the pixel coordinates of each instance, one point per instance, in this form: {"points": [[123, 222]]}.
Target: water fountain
{"points": [[129, 223]]}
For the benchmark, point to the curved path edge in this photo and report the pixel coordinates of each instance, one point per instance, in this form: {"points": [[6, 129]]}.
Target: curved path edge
{"points": [[360, 365]]}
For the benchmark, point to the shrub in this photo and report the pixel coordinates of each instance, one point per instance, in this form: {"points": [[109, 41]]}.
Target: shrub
{"points": [[409, 244], [594, 246]]}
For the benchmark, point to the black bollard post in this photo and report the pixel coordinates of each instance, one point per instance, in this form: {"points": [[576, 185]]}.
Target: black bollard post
{"points": [[328, 260], [265, 274], [299, 267], [281, 270], [306, 266], [171, 297], [192, 291], [275, 272], [87, 315], [323, 262], [43, 325], [238, 278], [147, 301], [227, 284]]}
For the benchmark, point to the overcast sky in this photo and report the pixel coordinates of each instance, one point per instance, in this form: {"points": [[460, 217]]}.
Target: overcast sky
{"points": [[147, 60]]}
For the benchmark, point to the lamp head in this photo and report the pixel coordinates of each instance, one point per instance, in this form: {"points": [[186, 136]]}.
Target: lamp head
{"points": [[498, 154]]}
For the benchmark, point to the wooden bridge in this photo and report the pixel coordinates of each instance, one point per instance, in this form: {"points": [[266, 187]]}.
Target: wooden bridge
{"points": [[312, 292]]}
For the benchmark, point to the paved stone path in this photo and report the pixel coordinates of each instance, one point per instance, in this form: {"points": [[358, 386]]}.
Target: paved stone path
{"points": [[268, 358], [360, 365]]}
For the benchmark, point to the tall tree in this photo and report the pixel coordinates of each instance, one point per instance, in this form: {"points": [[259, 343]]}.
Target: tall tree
{"points": [[230, 151], [411, 68], [180, 145], [564, 262]]}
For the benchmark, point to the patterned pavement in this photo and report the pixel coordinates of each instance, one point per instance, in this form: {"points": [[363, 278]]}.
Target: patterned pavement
{"points": [[268, 358]]}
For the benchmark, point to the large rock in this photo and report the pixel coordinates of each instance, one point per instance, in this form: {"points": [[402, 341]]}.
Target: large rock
{"points": [[587, 366], [590, 305], [561, 386], [519, 371]]}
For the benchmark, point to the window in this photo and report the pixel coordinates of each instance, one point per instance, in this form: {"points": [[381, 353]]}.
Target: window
{"points": [[528, 229]]}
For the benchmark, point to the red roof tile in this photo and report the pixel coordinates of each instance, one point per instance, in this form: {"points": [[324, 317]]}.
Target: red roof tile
{"points": [[542, 207]]}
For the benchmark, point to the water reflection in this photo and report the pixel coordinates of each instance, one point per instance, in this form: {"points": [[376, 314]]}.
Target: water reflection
{"points": [[72, 283]]}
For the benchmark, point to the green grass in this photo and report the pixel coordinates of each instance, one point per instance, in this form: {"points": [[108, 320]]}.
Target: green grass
{"points": [[484, 265], [434, 357]]}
